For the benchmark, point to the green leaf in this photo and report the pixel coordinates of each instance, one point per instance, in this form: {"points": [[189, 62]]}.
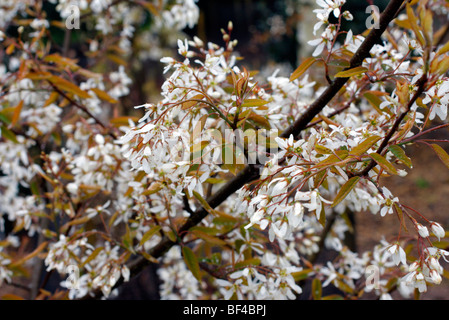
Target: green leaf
{"points": [[92, 256], [8, 134], [351, 72], [192, 101], [306, 64], [345, 189], [34, 253], [443, 49], [301, 275], [444, 157], [373, 97], [400, 215], [399, 153], [316, 289], [414, 25], [68, 86], [250, 103], [247, 262], [364, 146], [203, 202], [383, 163], [209, 238], [191, 262], [334, 158], [147, 235]]}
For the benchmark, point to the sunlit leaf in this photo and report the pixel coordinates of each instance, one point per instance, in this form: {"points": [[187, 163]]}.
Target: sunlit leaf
{"points": [[306, 64], [351, 72], [192, 101], [250, 103]]}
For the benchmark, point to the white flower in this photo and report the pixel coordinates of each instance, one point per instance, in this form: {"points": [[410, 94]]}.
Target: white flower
{"points": [[438, 96], [387, 202], [422, 230], [326, 39], [437, 230], [415, 279], [398, 254], [435, 277]]}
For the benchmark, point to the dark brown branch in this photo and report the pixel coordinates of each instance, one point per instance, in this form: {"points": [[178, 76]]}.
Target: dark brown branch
{"points": [[356, 61], [251, 172]]}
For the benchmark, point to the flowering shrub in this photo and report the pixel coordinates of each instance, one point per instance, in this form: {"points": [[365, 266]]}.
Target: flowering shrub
{"points": [[230, 184]]}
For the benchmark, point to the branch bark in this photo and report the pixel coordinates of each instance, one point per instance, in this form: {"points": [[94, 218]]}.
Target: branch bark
{"points": [[251, 172]]}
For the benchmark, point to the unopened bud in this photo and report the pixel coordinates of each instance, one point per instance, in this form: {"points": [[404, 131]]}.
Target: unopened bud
{"points": [[437, 230], [230, 26]]}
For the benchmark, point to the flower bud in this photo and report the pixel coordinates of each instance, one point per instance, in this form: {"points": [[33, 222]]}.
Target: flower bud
{"points": [[413, 266], [437, 230], [435, 276], [230, 26], [422, 230]]}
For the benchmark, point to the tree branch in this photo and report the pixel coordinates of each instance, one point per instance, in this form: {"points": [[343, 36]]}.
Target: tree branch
{"points": [[251, 172], [421, 88]]}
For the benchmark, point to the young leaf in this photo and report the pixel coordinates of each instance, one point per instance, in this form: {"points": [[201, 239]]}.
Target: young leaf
{"points": [[192, 101], [316, 289], [374, 99], [103, 95], [16, 114], [191, 261], [414, 25], [147, 235], [92, 256], [444, 157], [399, 153], [250, 103], [208, 238], [306, 64], [68, 86], [345, 189], [351, 72], [36, 251], [364, 146], [383, 163], [203, 202], [8, 134]]}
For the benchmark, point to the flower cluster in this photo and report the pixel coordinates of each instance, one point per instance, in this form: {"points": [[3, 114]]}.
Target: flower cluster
{"points": [[233, 182]]}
